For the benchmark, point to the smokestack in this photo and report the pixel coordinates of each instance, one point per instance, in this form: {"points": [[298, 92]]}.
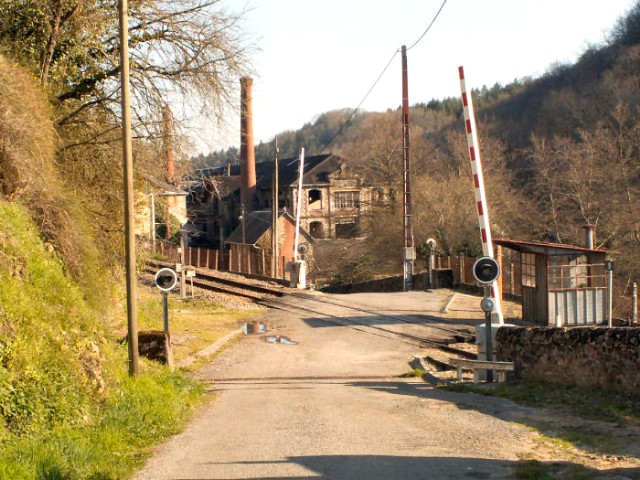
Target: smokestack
{"points": [[247, 152], [588, 231], [167, 121]]}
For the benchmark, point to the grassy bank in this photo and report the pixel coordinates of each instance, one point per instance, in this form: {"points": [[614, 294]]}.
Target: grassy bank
{"points": [[590, 433], [68, 409], [584, 403], [135, 416]]}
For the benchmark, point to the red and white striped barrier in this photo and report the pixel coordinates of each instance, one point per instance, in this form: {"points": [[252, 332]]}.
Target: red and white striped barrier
{"points": [[478, 180]]}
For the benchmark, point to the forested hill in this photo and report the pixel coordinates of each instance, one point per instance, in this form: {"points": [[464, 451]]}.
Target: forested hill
{"points": [[575, 97], [566, 99], [559, 151]]}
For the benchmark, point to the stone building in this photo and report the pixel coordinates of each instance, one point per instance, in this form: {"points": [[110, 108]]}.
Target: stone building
{"points": [[335, 200], [250, 249]]}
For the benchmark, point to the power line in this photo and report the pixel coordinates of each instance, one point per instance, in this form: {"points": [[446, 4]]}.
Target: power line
{"points": [[429, 27], [355, 110]]}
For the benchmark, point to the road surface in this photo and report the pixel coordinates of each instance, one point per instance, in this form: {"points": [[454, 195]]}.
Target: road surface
{"points": [[332, 406]]}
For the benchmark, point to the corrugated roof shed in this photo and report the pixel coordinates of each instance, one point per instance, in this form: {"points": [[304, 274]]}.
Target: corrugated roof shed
{"points": [[542, 247]]}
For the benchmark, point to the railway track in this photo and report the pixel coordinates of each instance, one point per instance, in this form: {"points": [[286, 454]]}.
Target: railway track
{"points": [[330, 310], [224, 284], [342, 318]]}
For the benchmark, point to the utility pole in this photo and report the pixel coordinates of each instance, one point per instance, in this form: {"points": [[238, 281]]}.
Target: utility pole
{"points": [[409, 253], [274, 217], [127, 161], [153, 222], [167, 144]]}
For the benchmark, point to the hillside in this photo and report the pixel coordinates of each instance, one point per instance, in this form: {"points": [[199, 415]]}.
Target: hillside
{"points": [[559, 151], [67, 407]]}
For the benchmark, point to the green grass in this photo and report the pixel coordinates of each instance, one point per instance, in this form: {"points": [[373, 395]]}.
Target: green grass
{"points": [[532, 470], [591, 404], [535, 470], [68, 409], [415, 373], [144, 410], [582, 403], [194, 324]]}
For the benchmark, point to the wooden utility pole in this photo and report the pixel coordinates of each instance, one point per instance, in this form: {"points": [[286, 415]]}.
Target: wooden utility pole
{"points": [[274, 217], [127, 161], [167, 144]]}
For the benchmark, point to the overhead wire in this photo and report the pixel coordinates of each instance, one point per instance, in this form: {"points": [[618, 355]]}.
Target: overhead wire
{"points": [[355, 110], [429, 27]]}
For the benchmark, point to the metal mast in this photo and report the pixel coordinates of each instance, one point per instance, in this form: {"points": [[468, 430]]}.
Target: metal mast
{"points": [[274, 217], [408, 251]]}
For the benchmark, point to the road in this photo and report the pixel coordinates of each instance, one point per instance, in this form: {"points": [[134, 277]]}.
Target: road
{"points": [[332, 406]]}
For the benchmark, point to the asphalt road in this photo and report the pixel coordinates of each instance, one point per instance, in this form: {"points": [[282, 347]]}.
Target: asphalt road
{"points": [[332, 406]]}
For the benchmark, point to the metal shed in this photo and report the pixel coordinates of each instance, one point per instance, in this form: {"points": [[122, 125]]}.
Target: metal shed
{"points": [[561, 284]]}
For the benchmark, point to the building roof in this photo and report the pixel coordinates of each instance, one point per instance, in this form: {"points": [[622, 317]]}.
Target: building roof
{"points": [[167, 188], [257, 224], [549, 249], [316, 170]]}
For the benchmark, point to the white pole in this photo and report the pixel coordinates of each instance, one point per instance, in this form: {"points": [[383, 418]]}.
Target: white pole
{"points": [[298, 205], [610, 300], [634, 304], [478, 180]]}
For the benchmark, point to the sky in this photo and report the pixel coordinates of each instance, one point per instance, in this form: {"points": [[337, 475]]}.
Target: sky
{"points": [[318, 56]]}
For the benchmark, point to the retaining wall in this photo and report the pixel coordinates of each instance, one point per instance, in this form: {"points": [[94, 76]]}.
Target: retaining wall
{"points": [[387, 284], [592, 357]]}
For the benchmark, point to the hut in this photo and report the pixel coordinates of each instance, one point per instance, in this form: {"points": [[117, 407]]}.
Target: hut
{"points": [[562, 285]]}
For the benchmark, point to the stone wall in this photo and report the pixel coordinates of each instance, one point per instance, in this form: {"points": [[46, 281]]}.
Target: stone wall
{"points": [[387, 284], [156, 345], [592, 357]]}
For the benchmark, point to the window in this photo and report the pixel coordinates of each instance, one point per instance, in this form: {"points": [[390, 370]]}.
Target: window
{"points": [[347, 199], [316, 229], [346, 227], [315, 199], [528, 261], [572, 272]]}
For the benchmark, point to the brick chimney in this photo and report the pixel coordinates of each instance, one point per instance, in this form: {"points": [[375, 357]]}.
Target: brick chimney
{"points": [[247, 152]]}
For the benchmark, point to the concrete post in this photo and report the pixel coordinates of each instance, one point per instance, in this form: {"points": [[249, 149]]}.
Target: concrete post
{"points": [[634, 304]]}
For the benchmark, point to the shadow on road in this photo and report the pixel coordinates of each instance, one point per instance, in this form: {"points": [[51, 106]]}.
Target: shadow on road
{"points": [[356, 467], [426, 320], [500, 408]]}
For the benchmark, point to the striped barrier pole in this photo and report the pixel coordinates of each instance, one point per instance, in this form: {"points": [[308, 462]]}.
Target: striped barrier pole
{"points": [[478, 180]]}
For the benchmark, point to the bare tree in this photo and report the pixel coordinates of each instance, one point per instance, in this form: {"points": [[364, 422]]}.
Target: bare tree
{"points": [[190, 51]]}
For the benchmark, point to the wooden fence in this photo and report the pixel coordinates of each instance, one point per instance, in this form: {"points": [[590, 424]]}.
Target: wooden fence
{"points": [[195, 256], [250, 260], [239, 259], [462, 269]]}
